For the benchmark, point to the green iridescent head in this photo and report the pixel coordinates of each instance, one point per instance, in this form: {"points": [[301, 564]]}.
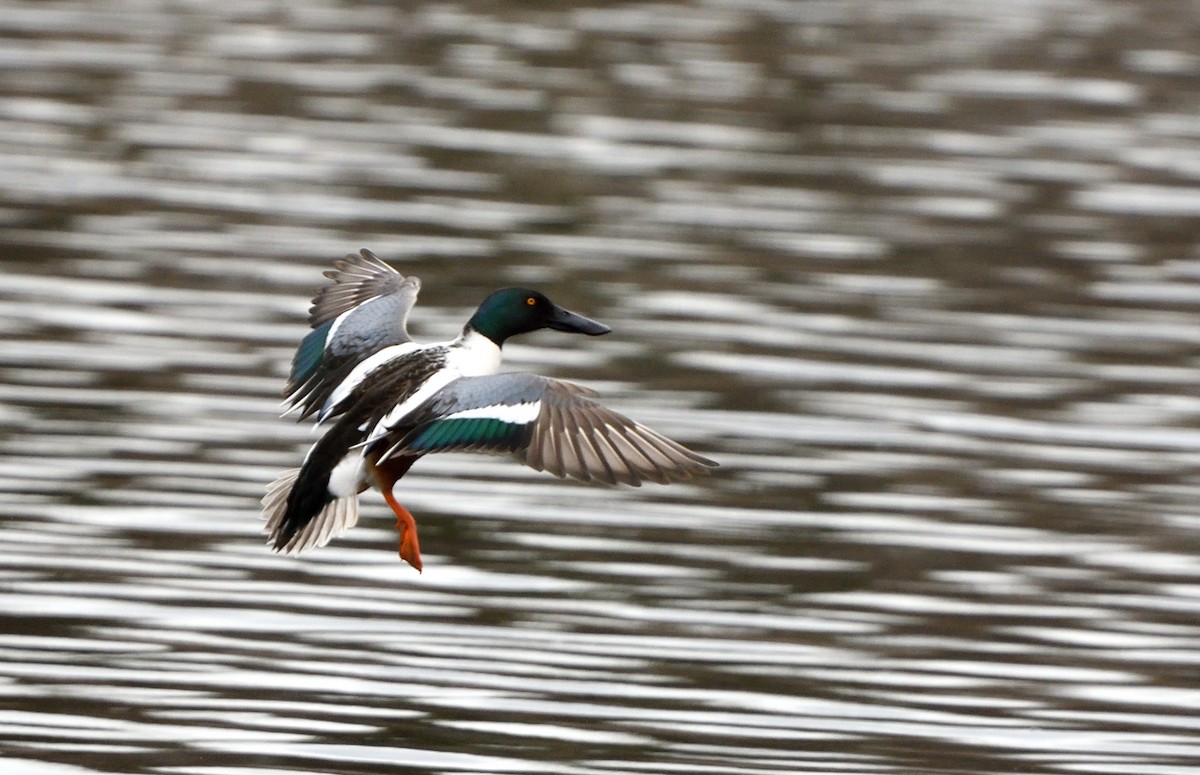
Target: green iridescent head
{"points": [[512, 311]]}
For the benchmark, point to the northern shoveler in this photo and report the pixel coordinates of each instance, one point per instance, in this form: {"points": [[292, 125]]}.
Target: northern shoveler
{"points": [[395, 401]]}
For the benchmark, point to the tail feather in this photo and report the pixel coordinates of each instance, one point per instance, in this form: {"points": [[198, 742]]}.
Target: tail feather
{"points": [[338, 516]]}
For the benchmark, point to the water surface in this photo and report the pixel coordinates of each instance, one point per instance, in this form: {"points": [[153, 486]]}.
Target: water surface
{"points": [[923, 279]]}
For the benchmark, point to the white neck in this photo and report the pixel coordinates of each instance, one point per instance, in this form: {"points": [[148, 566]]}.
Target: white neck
{"points": [[474, 355]]}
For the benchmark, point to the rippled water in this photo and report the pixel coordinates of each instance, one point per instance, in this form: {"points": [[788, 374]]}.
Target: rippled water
{"points": [[923, 277]]}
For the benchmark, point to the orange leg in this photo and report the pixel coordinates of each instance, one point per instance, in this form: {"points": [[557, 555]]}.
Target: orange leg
{"points": [[410, 549]]}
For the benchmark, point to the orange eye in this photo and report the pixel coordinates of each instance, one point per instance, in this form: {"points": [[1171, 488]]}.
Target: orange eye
{"points": [[531, 301]]}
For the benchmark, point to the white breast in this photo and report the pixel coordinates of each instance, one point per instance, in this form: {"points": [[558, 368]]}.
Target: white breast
{"points": [[474, 355]]}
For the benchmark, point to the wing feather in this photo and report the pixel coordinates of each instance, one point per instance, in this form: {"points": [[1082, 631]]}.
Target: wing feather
{"points": [[620, 468], [591, 452], [357, 279], [560, 443], [640, 467]]}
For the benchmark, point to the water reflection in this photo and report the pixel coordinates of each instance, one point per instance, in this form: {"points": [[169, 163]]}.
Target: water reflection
{"points": [[923, 282]]}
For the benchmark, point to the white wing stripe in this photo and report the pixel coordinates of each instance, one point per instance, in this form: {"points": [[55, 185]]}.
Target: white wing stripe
{"points": [[518, 414]]}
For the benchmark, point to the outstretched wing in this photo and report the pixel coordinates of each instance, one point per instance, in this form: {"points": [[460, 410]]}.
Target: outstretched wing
{"points": [[363, 311], [546, 424], [358, 279]]}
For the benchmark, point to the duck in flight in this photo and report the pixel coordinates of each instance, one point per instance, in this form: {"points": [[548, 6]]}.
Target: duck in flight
{"points": [[392, 401]]}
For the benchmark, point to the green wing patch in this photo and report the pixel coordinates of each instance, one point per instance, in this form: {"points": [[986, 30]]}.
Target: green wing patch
{"points": [[466, 433], [308, 356]]}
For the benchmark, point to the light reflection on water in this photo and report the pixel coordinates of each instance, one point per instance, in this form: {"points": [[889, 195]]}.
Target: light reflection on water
{"points": [[924, 283]]}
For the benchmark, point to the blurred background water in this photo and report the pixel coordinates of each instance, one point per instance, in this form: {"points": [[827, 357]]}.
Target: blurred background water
{"points": [[923, 276]]}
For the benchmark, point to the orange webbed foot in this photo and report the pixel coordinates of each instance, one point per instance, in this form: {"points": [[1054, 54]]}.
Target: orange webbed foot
{"points": [[410, 547]]}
